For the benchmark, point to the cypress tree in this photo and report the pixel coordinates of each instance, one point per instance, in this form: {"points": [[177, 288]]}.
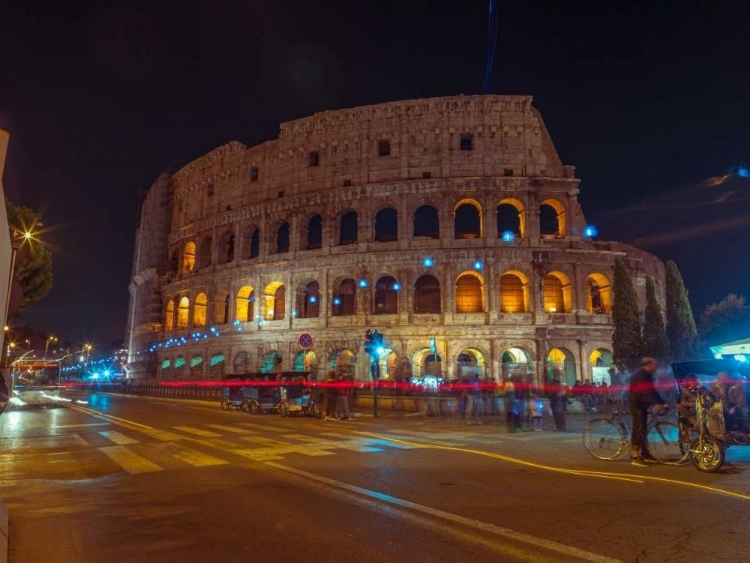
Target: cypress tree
{"points": [[680, 322], [655, 341], [627, 343]]}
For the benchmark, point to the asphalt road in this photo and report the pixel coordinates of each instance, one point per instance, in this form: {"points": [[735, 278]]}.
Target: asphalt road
{"points": [[133, 480]]}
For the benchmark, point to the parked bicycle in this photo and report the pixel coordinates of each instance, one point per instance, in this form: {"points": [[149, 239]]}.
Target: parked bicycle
{"points": [[607, 438]]}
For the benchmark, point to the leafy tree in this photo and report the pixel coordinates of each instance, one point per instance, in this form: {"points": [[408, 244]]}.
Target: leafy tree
{"points": [[34, 270], [725, 321], [655, 341], [627, 343], [680, 323]]}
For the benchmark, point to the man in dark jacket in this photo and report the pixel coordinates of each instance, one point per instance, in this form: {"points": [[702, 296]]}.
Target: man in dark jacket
{"points": [[642, 396]]}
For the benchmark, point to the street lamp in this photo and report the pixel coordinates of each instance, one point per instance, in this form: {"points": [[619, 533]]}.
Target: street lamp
{"points": [[49, 339]]}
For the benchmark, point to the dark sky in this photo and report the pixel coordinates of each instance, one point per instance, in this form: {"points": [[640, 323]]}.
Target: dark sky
{"points": [[647, 102]]}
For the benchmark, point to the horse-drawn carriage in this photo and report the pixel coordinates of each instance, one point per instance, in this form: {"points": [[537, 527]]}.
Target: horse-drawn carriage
{"points": [[284, 393]]}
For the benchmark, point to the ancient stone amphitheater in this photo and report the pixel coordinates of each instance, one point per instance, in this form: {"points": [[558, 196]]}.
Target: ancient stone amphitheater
{"points": [[448, 224]]}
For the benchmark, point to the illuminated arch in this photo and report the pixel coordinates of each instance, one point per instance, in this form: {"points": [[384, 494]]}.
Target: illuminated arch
{"points": [[196, 367], [306, 361], [516, 361], [515, 222], [179, 368], [221, 307], [514, 292], [467, 219], [183, 313], [199, 310], [188, 257], [169, 316], [469, 293], [245, 306], [274, 305], [308, 300], [471, 362], [428, 363], [271, 362], [216, 366], [239, 365], [598, 294], [600, 357], [561, 363], [343, 361], [559, 220], [558, 293]]}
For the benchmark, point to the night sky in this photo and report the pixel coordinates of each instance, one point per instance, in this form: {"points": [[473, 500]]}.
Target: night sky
{"points": [[100, 98]]}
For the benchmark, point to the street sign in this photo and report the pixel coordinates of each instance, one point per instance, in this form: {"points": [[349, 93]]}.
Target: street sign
{"points": [[305, 340]]}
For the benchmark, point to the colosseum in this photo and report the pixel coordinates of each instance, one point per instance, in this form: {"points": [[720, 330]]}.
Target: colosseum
{"points": [[449, 224]]}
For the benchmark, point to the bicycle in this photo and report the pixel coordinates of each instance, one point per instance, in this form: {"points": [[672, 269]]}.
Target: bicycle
{"points": [[607, 438]]}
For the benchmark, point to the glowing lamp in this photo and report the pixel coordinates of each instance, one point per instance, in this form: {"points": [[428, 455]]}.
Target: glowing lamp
{"points": [[294, 312], [478, 265], [313, 299], [380, 350], [362, 283], [396, 286], [428, 262], [743, 171], [508, 236], [337, 301], [590, 231]]}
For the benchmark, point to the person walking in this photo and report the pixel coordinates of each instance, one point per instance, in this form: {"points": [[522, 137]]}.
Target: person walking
{"points": [[642, 396], [510, 401], [557, 400], [536, 411]]}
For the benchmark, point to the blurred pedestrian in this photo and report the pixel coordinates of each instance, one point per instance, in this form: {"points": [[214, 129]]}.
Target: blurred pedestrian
{"points": [[557, 400], [536, 411]]}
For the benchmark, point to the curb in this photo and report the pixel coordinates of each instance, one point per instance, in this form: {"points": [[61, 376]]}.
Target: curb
{"points": [[3, 533]]}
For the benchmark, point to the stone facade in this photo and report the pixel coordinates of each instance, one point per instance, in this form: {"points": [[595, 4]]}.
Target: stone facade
{"points": [[448, 224]]}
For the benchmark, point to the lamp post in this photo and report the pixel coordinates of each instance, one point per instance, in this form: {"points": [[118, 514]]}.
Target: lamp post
{"points": [[49, 339]]}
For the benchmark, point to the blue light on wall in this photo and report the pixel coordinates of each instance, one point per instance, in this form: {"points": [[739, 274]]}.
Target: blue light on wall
{"points": [[743, 171], [478, 265], [313, 299], [362, 283], [337, 301], [396, 286], [294, 312], [508, 236], [590, 231], [428, 262]]}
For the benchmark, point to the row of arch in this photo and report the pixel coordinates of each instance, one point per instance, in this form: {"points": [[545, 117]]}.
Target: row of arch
{"points": [[467, 219], [426, 298], [470, 362]]}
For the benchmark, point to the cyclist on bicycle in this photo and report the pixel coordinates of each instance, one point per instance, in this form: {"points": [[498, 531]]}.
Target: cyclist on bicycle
{"points": [[642, 396]]}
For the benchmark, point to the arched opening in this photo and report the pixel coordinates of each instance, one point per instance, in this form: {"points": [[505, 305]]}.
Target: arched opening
{"points": [[348, 228], [471, 363], [557, 293], [427, 363], [517, 361], [386, 296], [216, 366], [282, 238], [308, 301], [275, 302], [226, 247], [169, 316], [183, 313], [196, 367], [307, 361], [250, 243], [199, 310], [221, 307], [344, 301], [386, 225], [179, 368], [188, 258], [427, 298], [426, 222], [510, 217], [514, 293], [271, 363], [598, 295], [245, 304], [469, 294], [240, 363], [561, 364], [314, 233], [343, 362], [174, 264], [164, 369], [467, 222], [600, 361], [551, 219], [204, 255]]}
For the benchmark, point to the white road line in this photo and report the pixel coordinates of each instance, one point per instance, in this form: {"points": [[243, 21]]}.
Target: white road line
{"points": [[470, 522], [197, 431], [81, 425], [163, 435], [188, 455], [119, 439], [262, 427], [232, 429], [129, 460]]}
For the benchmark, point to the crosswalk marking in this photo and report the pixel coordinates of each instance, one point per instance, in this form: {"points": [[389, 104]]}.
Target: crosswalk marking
{"points": [[265, 441], [118, 438], [162, 434], [129, 460], [262, 427], [231, 429], [197, 431], [188, 455]]}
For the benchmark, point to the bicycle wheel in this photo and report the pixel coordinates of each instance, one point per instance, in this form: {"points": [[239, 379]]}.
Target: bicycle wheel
{"points": [[604, 439], [664, 443]]}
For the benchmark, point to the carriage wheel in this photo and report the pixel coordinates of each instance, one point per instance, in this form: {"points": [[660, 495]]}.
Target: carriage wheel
{"points": [[253, 407], [225, 404], [245, 406], [707, 454]]}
